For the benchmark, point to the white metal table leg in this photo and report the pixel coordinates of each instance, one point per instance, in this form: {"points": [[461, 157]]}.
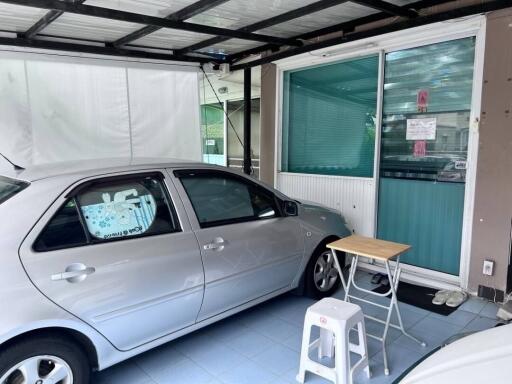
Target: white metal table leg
{"points": [[353, 266], [394, 301], [394, 278], [390, 312], [340, 271]]}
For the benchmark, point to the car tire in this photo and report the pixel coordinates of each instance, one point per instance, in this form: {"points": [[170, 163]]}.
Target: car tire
{"points": [[40, 357], [320, 283]]}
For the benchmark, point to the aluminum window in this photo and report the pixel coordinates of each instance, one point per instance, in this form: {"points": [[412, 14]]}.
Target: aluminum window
{"points": [[329, 118]]}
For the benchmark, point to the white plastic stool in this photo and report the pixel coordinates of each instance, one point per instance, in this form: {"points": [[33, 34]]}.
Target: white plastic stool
{"points": [[336, 319]]}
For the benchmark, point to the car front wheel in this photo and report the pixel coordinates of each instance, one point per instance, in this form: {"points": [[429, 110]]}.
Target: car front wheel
{"points": [[44, 360], [322, 277]]}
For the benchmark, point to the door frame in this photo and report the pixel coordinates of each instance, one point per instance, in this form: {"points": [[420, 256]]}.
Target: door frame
{"points": [[380, 45]]}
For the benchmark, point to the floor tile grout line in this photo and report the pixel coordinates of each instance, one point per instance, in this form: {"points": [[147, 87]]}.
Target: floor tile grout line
{"points": [[144, 371]]}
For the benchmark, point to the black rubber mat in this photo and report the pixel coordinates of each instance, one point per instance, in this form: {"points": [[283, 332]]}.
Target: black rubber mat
{"points": [[418, 296]]}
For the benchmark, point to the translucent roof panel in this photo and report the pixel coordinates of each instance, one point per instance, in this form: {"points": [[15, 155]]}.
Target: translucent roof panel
{"points": [[231, 46], [401, 2], [159, 8], [239, 13], [330, 16], [171, 38], [15, 18], [87, 27], [236, 14]]}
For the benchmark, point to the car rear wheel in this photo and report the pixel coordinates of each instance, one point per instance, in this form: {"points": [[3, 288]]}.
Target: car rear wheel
{"points": [[44, 360], [322, 277]]}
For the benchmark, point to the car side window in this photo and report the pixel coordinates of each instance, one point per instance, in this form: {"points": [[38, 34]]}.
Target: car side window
{"points": [[220, 199], [64, 230], [111, 209]]}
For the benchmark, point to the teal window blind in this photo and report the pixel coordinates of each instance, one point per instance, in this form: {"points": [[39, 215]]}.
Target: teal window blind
{"points": [[329, 115]]}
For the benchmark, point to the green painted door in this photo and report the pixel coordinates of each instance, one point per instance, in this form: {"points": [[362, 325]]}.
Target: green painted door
{"points": [[425, 131]]}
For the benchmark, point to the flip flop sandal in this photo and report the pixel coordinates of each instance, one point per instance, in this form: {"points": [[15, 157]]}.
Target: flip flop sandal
{"points": [[456, 298], [441, 297], [377, 278]]}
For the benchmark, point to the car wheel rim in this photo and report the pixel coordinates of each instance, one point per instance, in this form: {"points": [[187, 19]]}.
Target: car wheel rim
{"points": [[325, 273], [39, 370]]}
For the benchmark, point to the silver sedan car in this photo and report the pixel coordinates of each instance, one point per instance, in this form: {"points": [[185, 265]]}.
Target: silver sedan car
{"points": [[103, 260]]}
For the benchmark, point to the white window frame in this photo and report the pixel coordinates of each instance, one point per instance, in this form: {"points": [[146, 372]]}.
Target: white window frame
{"points": [[474, 26]]}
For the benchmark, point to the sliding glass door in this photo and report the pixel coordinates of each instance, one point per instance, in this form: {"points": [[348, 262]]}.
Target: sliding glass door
{"points": [[425, 126]]}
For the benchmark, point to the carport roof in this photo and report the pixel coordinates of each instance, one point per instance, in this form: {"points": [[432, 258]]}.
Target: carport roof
{"points": [[219, 31]]}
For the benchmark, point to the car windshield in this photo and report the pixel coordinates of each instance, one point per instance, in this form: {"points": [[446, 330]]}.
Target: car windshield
{"points": [[10, 187]]}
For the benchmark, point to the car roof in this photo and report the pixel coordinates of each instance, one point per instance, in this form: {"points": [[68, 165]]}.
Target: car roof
{"points": [[96, 166]]}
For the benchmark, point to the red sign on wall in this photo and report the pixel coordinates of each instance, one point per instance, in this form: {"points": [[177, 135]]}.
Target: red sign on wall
{"points": [[420, 148], [422, 100]]}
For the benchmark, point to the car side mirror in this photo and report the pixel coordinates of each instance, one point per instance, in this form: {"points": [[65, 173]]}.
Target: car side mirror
{"points": [[291, 208]]}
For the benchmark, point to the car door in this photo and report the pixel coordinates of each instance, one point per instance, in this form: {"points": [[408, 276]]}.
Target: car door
{"points": [[249, 248], [119, 253]]}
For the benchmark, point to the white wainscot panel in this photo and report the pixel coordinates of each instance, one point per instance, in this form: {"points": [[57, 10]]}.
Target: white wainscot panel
{"points": [[354, 197]]}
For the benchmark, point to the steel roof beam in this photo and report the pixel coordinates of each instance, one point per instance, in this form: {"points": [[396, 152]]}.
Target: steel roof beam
{"points": [[282, 18], [112, 14], [181, 15], [97, 49], [44, 21]]}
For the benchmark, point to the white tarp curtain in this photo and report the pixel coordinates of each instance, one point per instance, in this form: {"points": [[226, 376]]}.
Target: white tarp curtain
{"points": [[57, 111]]}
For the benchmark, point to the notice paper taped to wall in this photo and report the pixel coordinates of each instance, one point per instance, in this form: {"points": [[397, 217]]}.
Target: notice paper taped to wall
{"points": [[421, 129]]}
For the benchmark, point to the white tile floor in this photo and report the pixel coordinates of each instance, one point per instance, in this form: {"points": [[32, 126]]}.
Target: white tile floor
{"points": [[262, 345]]}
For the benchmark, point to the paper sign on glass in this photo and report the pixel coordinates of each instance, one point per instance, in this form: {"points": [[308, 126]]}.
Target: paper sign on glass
{"points": [[421, 129]]}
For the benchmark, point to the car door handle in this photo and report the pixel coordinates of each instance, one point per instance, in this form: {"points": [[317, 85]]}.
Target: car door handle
{"points": [[217, 244], [75, 273]]}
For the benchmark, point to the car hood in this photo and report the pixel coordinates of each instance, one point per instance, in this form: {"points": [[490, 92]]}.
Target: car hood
{"points": [[316, 207], [484, 357], [322, 220]]}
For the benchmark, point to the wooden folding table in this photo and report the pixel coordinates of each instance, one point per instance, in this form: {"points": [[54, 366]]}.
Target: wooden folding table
{"points": [[383, 251]]}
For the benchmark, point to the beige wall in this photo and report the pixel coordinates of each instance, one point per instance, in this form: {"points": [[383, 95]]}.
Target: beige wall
{"points": [[493, 195]]}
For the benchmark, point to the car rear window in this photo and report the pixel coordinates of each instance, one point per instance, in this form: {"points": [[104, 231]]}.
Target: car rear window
{"points": [[9, 187]]}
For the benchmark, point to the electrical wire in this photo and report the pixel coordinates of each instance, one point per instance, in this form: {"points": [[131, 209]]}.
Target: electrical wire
{"points": [[230, 123]]}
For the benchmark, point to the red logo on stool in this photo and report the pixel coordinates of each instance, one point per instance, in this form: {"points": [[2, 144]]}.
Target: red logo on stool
{"points": [[323, 320]]}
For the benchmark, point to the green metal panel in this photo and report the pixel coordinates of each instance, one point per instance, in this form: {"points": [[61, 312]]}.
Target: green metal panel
{"points": [[428, 216]]}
